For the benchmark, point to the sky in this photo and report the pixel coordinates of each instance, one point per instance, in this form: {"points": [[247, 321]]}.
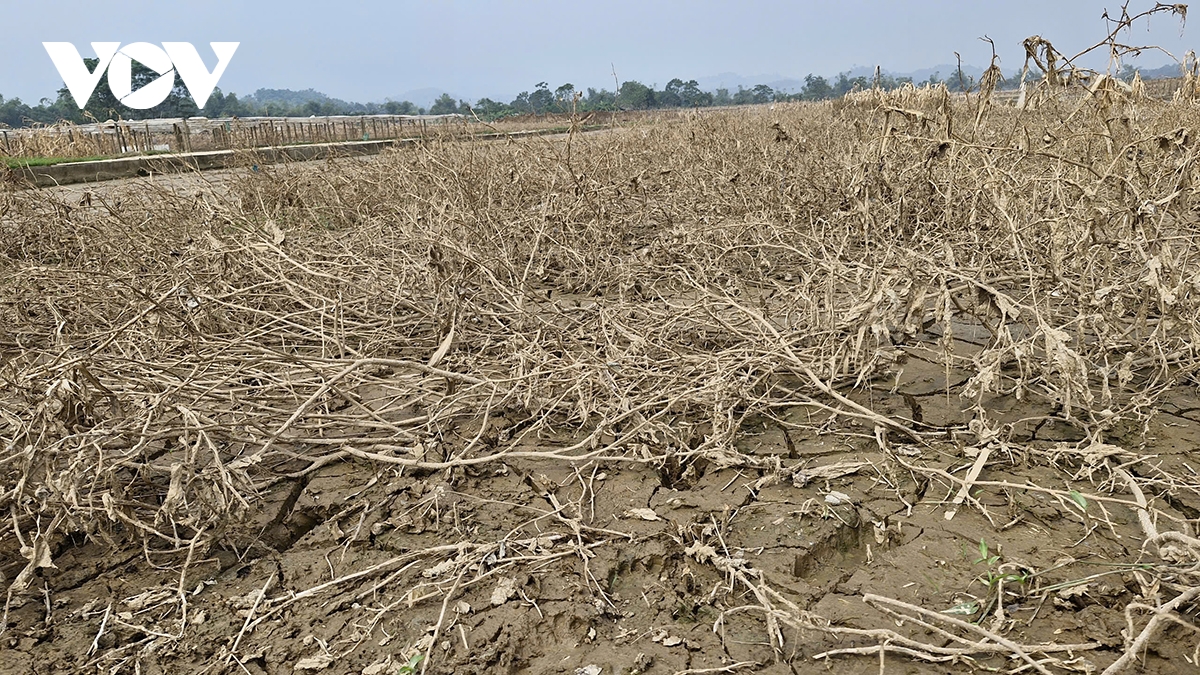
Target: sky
{"points": [[373, 51]]}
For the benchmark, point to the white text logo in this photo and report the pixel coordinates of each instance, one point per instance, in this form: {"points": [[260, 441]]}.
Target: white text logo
{"points": [[118, 61]]}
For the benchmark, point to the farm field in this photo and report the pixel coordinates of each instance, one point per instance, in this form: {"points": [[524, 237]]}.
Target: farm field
{"points": [[898, 383]]}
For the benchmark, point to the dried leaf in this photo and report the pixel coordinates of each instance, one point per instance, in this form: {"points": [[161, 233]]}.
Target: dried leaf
{"points": [[506, 589], [443, 348], [968, 608], [318, 662], [644, 514], [274, 231], [835, 498]]}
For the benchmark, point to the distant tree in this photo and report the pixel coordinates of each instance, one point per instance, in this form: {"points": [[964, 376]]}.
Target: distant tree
{"points": [[671, 96], [564, 98], [844, 84], [692, 96], [602, 99], [763, 94], [444, 105], [14, 113], [635, 95], [235, 106], [542, 99], [490, 110], [722, 97], [816, 88], [400, 108], [1011, 82], [963, 83], [103, 105]]}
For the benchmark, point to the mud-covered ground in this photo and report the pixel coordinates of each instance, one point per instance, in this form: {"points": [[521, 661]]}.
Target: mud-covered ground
{"points": [[607, 567]]}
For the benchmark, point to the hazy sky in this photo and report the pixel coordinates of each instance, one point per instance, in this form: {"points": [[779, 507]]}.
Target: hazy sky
{"points": [[370, 51]]}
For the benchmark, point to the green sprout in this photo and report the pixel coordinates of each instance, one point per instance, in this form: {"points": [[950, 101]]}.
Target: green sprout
{"points": [[993, 579], [411, 667]]}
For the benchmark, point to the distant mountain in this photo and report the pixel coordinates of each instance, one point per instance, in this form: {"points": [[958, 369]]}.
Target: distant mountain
{"points": [[1169, 70], [944, 71]]}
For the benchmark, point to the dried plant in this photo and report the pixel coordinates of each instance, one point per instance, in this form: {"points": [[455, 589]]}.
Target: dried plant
{"points": [[638, 297]]}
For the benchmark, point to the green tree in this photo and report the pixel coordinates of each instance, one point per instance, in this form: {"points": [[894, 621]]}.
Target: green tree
{"points": [[963, 83], [602, 99], [635, 95], [816, 88], [444, 105], [692, 96], [845, 84], [400, 108], [671, 96], [490, 110], [103, 105], [542, 99], [14, 113]]}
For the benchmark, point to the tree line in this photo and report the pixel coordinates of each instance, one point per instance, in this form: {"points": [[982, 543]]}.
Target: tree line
{"points": [[264, 102], [631, 95]]}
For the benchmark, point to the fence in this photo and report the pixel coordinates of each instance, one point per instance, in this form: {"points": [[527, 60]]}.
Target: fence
{"points": [[198, 134]]}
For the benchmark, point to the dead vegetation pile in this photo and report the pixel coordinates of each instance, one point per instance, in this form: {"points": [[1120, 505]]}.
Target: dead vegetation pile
{"points": [[640, 296]]}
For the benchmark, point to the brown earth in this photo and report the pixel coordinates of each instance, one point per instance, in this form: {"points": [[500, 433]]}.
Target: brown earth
{"points": [[530, 568]]}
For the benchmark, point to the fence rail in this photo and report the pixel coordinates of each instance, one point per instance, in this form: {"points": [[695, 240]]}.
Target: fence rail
{"points": [[198, 134]]}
